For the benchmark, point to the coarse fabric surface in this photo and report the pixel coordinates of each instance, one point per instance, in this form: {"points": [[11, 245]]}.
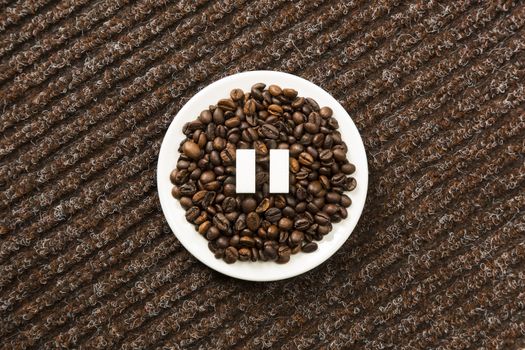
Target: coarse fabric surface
{"points": [[88, 88]]}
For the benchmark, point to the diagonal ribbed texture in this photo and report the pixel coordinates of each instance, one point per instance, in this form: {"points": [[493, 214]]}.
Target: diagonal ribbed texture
{"points": [[88, 88]]}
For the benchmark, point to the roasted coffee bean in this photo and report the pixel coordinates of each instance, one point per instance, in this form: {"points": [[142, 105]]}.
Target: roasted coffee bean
{"points": [[273, 215], [248, 204], [294, 165], [333, 197], [237, 94], [301, 224], [306, 159], [275, 90], [322, 218], [325, 112], [199, 196], [231, 254], [213, 233], [312, 208], [324, 229], [175, 192], [309, 247], [207, 176], [233, 122], [283, 254], [253, 221], [270, 252], [348, 168], [186, 202], [188, 189], [272, 232], [339, 154], [289, 212], [247, 241], [326, 155], [192, 213], [221, 222], [204, 227], [229, 204], [219, 144], [222, 241], [338, 180], [285, 223], [269, 131], [191, 150], [346, 201], [275, 109], [296, 237], [350, 184], [206, 117], [240, 223], [227, 104], [263, 206], [313, 104], [229, 189], [228, 154], [235, 241]]}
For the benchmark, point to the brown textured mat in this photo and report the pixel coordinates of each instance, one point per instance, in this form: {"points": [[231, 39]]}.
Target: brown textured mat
{"points": [[87, 90]]}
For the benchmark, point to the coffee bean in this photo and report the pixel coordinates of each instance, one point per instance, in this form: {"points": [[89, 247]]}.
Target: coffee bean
{"points": [[314, 188], [346, 201], [339, 154], [290, 93], [213, 233], [248, 204], [273, 215], [275, 90], [191, 149], [294, 165], [306, 159], [253, 221], [260, 148], [333, 197], [311, 128], [247, 241], [270, 252], [322, 218], [221, 222], [231, 255], [269, 131], [275, 109], [186, 202], [296, 237], [232, 122], [192, 213], [204, 227], [326, 155], [222, 241], [301, 224], [283, 254], [350, 184], [237, 94], [325, 112], [263, 206], [285, 223], [309, 247], [348, 168], [227, 104]]}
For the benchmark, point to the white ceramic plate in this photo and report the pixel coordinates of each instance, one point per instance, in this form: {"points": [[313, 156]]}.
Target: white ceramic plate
{"points": [[198, 245]]}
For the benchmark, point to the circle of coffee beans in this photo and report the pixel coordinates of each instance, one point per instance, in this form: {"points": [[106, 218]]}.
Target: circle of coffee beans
{"points": [[263, 226]]}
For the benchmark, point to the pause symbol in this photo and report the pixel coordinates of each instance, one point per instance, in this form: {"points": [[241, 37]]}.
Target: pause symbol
{"points": [[245, 171]]}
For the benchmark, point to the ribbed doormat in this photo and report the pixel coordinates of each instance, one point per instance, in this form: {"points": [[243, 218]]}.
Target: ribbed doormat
{"points": [[88, 88]]}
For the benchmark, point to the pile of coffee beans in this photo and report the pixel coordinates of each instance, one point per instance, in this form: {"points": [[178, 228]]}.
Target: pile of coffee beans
{"points": [[263, 226]]}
